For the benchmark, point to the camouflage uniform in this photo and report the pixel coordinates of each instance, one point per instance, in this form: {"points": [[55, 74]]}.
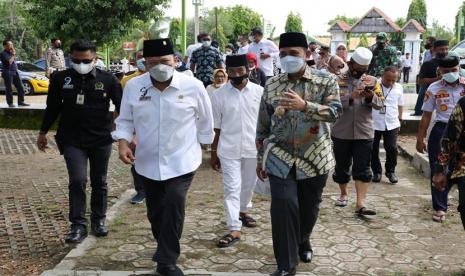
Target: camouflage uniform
{"points": [[382, 58]]}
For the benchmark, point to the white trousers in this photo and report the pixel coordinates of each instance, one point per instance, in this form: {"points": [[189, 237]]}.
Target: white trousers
{"points": [[239, 179]]}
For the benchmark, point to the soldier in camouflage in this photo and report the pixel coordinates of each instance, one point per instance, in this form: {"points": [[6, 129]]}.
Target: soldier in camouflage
{"points": [[384, 55]]}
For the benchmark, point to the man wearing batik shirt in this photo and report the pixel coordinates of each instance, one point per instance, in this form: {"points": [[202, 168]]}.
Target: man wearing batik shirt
{"points": [[205, 60], [294, 148], [441, 97], [452, 156]]}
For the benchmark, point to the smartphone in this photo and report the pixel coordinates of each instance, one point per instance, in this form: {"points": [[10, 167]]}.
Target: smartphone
{"points": [[369, 88]]}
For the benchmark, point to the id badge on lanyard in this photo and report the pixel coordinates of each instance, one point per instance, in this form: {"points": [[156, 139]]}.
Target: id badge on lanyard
{"points": [[80, 98]]}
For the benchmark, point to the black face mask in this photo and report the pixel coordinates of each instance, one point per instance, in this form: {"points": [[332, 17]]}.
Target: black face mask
{"points": [[427, 46], [356, 74], [238, 80], [438, 55], [380, 45]]}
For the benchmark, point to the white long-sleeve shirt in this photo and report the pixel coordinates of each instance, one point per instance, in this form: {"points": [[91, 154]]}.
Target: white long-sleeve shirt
{"points": [[170, 125], [267, 47]]}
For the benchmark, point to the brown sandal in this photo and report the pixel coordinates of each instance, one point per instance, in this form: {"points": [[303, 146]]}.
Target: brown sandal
{"points": [[248, 221], [227, 240]]}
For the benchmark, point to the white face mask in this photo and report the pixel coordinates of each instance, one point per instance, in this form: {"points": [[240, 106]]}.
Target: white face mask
{"points": [[291, 64], [451, 77], [206, 43], [239, 44], [161, 72], [228, 52], [83, 68], [251, 38]]}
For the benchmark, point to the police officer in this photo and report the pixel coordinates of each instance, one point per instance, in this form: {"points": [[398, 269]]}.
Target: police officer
{"points": [[441, 96], [81, 96], [172, 115], [54, 58]]}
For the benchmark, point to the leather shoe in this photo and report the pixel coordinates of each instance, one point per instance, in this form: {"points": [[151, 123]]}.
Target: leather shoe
{"points": [[23, 104], [376, 178], [283, 272], [99, 229], [169, 270], [392, 178], [76, 235], [305, 252]]}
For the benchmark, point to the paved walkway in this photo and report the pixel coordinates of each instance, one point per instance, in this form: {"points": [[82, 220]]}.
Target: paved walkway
{"points": [[401, 240]]}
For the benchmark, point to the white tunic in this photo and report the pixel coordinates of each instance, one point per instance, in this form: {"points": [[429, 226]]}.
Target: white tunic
{"points": [[236, 113], [170, 125]]}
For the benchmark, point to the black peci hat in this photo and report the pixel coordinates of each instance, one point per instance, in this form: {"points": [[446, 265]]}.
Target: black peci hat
{"points": [[448, 62], [439, 43], [293, 40], [236, 61], [158, 47]]}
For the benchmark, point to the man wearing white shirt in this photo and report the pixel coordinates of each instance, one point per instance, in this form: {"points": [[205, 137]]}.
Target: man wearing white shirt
{"points": [[235, 113], [406, 67], [265, 50], [243, 43], [171, 114], [190, 49], [386, 122]]}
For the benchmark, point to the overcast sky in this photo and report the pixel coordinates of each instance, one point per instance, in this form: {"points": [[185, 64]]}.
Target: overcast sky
{"points": [[316, 13]]}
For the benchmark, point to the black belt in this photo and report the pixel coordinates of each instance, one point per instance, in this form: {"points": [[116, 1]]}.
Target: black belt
{"points": [[440, 124]]}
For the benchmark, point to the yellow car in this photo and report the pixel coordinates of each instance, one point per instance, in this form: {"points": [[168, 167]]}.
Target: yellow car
{"points": [[33, 79]]}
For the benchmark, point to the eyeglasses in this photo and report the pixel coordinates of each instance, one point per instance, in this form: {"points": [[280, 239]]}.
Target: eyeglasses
{"points": [[79, 61]]}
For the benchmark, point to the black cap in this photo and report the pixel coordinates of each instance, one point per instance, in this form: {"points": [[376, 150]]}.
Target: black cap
{"points": [[324, 48], [257, 30], [293, 40], [158, 47], [236, 61], [448, 62], [439, 43]]}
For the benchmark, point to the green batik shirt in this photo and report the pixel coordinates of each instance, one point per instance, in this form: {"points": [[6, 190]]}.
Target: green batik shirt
{"points": [[288, 138], [382, 59]]}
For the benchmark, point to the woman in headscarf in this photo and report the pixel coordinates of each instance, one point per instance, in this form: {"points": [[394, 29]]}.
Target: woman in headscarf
{"points": [[256, 75], [341, 51], [220, 77]]}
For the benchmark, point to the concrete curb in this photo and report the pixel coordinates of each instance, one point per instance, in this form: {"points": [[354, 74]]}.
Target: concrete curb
{"points": [[418, 160], [68, 263]]}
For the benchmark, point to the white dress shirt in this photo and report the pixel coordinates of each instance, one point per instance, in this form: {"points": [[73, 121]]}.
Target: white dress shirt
{"points": [[267, 47], [235, 113], [406, 62], [243, 50], [170, 125], [393, 98]]}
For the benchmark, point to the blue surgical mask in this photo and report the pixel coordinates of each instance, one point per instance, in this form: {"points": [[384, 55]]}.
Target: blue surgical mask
{"points": [[451, 77], [140, 64], [291, 64]]}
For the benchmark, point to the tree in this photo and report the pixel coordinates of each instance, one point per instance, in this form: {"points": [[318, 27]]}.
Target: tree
{"points": [[175, 32], [397, 39], [103, 21], [417, 10], [293, 23], [242, 19], [441, 32], [363, 42]]}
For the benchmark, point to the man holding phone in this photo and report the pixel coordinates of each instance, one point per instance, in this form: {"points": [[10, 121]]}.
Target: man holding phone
{"points": [[265, 51], [352, 134]]}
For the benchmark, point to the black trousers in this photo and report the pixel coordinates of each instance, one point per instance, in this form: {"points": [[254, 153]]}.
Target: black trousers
{"points": [[138, 186], [166, 204], [295, 205], [76, 162], [353, 158], [461, 208], [390, 145], [406, 71], [9, 79]]}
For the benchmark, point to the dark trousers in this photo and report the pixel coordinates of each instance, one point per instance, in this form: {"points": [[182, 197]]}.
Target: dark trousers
{"points": [[390, 145], [166, 204], [76, 162], [13, 78], [406, 72], [295, 205], [439, 198], [421, 96], [138, 186], [461, 208], [353, 158]]}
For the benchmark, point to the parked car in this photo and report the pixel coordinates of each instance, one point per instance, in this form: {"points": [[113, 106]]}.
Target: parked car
{"points": [[33, 79], [459, 48], [41, 63]]}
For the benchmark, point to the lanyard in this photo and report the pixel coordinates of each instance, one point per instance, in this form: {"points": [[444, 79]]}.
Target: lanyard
{"points": [[389, 92]]}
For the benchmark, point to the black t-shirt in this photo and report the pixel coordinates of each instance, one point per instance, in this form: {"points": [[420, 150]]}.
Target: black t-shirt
{"points": [[428, 69], [6, 66]]}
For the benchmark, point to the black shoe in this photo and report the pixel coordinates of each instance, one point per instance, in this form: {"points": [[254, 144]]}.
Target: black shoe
{"points": [[99, 229], [138, 198], [283, 272], [11, 105], [169, 270], [415, 114], [305, 252], [376, 178], [392, 178], [23, 104], [76, 235]]}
